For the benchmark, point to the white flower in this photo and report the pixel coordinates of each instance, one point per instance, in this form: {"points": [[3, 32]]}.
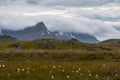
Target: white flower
{"points": [[81, 74], [97, 76], [116, 74], [54, 67], [68, 76], [28, 68], [90, 75], [59, 66], [104, 65], [72, 71], [89, 71], [23, 69], [50, 71], [8, 74], [28, 72], [79, 69], [18, 69], [52, 77], [3, 65]]}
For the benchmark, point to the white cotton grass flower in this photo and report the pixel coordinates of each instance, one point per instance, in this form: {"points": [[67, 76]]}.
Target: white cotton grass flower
{"points": [[81, 74], [116, 74], [18, 69], [8, 74], [23, 69], [28, 72], [72, 71], [97, 76], [54, 67], [28, 68], [104, 65], [68, 76], [79, 69], [63, 70], [59, 66], [3, 65], [51, 71], [52, 77], [89, 71], [90, 75]]}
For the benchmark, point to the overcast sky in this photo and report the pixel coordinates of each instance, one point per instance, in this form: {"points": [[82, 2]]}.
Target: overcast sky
{"points": [[100, 18]]}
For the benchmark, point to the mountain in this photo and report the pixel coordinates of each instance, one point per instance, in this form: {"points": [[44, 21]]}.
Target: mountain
{"points": [[7, 38], [112, 41], [40, 31]]}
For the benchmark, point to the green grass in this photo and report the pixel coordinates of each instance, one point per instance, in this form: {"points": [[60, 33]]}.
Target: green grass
{"points": [[59, 60], [59, 70], [59, 55]]}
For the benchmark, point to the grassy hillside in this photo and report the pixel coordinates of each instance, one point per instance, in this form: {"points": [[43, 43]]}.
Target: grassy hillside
{"points": [[56, 50], [48, 59], [51, 44]]}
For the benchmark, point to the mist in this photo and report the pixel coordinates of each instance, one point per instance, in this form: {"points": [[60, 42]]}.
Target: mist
{"points": [[98, 20]]}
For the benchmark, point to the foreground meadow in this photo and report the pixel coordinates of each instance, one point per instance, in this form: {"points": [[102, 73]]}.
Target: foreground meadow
{"points": [[33, 70]]}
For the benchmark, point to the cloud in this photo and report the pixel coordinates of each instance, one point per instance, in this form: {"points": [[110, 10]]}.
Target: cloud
{"points": [[82, 16]]}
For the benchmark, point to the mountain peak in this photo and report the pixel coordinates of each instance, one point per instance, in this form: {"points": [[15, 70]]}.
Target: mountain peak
{"points": [[41, 25]]}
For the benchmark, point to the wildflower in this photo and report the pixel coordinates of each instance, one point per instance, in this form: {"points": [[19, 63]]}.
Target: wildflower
{"points": [[54, 67], [23, 69], [59, 66], [68, 76], [97, 76], [72, 71], [89, 71], [3, 65], [79, 69], [18, 69], [52, 77], [28, 72], [50, 71], [116, 74], [28, 68], [104, 65], [90, 75], [8, 74], [81, 74]]}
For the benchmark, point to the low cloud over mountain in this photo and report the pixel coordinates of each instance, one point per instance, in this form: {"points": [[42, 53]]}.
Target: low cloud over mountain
{"points": [[100, 18]]}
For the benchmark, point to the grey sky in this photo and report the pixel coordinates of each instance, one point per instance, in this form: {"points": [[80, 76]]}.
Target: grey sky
{"points": [[100, 18]]}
